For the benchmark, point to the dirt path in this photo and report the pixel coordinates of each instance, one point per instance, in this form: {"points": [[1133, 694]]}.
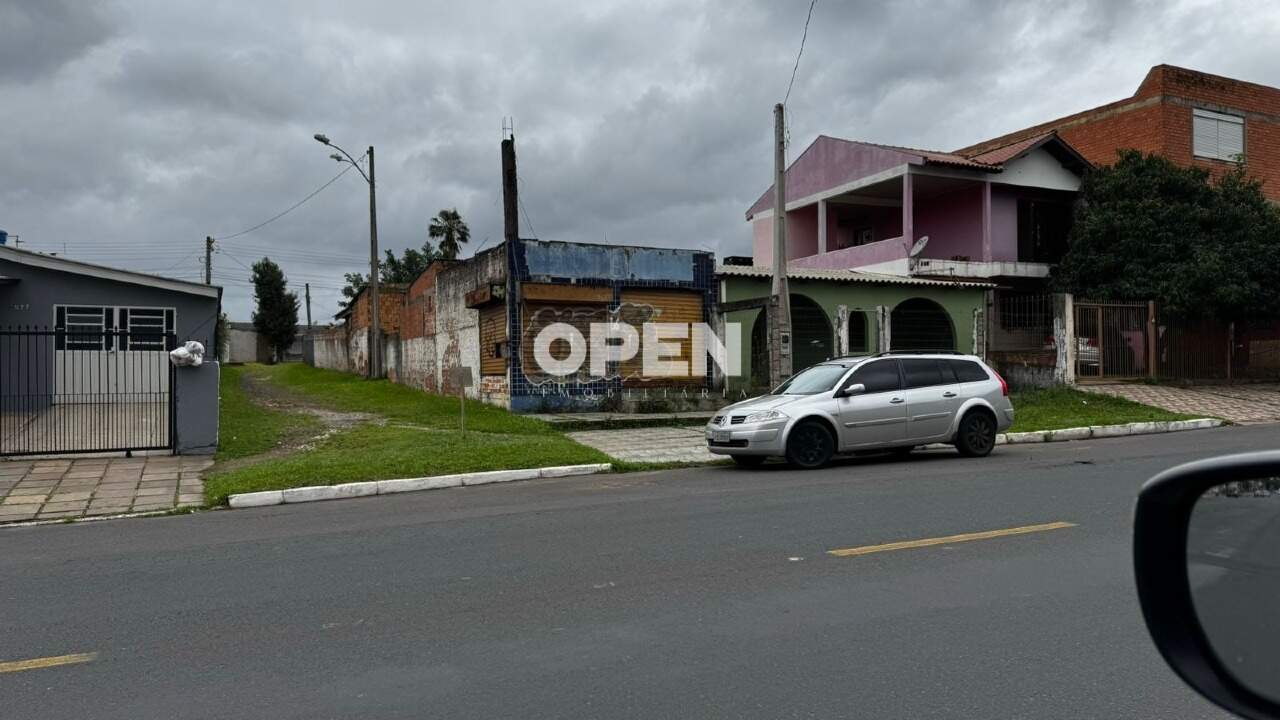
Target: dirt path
{"points": [[272, 396]]}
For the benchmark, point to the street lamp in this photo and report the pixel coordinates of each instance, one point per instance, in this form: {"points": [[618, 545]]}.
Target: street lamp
{"points": [[375, 325]]}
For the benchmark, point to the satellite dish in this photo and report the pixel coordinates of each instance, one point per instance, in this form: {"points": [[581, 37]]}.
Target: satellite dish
{"points": [[918, 247]]}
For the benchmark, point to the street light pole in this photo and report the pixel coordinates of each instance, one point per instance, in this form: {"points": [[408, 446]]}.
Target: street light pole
{"points": [[375, 306]]}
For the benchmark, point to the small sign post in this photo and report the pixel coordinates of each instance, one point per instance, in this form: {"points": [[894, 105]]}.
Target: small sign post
{"points": [[462, 378]]}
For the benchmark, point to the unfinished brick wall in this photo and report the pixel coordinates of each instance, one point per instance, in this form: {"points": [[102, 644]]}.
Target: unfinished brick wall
{"points": [[1157, 119]]}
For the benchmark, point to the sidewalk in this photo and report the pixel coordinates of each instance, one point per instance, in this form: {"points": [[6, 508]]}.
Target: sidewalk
{"points": [[664, 444], [1245, 403], [56, 489]]}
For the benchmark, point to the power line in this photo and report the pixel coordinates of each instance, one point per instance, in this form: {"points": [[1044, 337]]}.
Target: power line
{"points": [[293, 207], [802, 39]]}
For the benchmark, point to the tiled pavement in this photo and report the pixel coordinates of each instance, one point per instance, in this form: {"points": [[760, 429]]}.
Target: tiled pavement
{"points": [[668, 444], [1236, 403], [54, 489]]}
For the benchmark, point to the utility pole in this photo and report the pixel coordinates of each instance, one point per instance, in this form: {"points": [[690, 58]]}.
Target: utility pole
{"points": [[208, 260], [375, 325], [308, 296], [511, 237], [780, 298]]}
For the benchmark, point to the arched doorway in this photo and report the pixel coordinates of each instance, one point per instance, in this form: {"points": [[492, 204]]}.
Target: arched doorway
{"points": [[857, 332], [920, 324], [812, 340]]}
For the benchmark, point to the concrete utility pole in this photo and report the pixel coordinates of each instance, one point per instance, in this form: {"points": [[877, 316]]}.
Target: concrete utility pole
{"points": [[375, 306], [208, 260], [780, 299], [308, 296]]}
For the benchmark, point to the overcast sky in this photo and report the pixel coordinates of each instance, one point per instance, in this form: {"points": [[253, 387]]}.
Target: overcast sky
{"points": [[131, 130]]}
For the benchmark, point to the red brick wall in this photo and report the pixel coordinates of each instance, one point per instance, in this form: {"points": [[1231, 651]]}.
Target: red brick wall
{"points": [[390, 303], [1158, 119]]}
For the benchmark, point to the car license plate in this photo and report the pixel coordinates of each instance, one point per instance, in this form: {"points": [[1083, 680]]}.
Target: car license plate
{"points": [[720, 436]]}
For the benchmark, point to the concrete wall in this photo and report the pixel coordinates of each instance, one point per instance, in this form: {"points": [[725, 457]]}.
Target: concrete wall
{"points": [[246, 345], [457, 336], [330, 349], [196, 415], [953, 223]]}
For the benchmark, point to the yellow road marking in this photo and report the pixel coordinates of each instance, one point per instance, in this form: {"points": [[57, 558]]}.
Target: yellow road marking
{"points": [[966, 537], [45, 662]]}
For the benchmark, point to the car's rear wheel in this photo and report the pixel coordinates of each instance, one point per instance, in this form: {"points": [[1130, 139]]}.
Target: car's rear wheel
{"points": [[810, 445], [977, 434], [748, 461]]}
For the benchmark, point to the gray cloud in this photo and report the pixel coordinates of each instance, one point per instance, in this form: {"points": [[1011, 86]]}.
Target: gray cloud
{"points": [[37, 37], [132, 130]]}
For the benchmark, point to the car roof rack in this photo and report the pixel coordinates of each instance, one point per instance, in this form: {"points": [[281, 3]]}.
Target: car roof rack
{"points": [[918, 352]]}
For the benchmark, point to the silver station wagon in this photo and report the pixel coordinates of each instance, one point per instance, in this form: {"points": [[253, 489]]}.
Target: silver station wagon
{"points": [[891, 401]]}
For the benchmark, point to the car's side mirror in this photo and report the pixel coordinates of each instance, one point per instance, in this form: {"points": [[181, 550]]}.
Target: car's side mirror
{"points": [[1206, 550], [854, 389]]}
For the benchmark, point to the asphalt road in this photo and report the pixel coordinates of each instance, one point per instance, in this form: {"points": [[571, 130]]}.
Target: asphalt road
{"points": [[706, 592]]}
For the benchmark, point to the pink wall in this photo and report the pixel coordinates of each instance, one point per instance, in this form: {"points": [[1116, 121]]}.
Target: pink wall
{"points": [[830, 162], [953, 222], [857, 256], [1004, 224], [885, 222], [802, 235]]}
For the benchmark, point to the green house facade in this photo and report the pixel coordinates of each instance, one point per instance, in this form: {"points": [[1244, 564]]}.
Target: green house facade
{"points": [[847, 312]]}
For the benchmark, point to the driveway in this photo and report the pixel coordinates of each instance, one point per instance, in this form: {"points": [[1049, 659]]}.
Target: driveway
{"points": [[665, 444], [1236, 403]]}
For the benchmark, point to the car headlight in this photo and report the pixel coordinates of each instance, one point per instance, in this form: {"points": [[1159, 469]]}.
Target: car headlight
{"points": [[764, 416]]}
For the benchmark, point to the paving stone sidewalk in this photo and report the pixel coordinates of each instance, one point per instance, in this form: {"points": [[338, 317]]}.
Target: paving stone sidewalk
{"points": [[668, 444], [1236, 403], [56, 489]]}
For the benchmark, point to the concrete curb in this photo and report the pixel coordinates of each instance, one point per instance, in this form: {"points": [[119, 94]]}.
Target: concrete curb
{"points": [[386, 487], [1101, 431]]}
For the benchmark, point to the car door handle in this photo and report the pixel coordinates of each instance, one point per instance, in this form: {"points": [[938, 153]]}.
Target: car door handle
{"points": [[896, 401], [948, 394]]}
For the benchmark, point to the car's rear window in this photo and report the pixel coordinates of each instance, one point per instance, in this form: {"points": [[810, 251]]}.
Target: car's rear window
{"points": [[968, 371]]}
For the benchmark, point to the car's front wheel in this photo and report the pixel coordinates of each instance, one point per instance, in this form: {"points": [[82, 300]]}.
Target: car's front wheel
{"points": [[748, 461], [810, 445], [977, 434]]}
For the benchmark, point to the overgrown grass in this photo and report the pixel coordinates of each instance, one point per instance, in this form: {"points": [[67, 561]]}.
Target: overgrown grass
{"points": [[247, 428], [1057, 408], [371, 452], [344, 391]]}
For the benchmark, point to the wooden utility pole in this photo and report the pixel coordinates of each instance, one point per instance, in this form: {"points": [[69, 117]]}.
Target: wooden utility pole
{"points": [[308, 296], [208, 260], [375, 306], [780, 299]]}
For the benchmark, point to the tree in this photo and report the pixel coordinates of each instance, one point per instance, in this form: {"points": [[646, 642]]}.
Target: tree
{"points": [[409, 266], [1146, 228], [276, 318], [404, 269], [452, 232]]}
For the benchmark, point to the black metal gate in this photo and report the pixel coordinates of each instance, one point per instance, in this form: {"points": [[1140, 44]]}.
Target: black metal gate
{"points": [[72, 391]]}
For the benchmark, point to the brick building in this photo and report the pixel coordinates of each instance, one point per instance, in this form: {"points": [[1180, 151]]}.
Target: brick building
{"points": [[1190, 117], [346, 347]]}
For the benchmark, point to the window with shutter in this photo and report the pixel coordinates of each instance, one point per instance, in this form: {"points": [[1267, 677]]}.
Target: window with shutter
{"points": [[1217, 136]]}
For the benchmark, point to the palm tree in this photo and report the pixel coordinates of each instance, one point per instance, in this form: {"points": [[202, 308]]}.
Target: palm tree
{"points": [[452, 232]]}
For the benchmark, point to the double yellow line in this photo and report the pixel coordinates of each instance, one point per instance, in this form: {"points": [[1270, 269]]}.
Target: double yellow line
{"points": [[47, 662], [949, 539]]}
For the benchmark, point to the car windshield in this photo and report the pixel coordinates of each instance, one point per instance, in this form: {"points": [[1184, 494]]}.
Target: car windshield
{"points": [[812, 380]]}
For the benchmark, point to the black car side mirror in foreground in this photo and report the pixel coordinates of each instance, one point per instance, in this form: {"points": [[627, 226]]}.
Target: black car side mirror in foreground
{"points": [[1206, 551]]}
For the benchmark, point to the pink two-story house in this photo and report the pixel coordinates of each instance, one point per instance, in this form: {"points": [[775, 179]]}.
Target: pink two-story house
{"points": [[1002, 214]]}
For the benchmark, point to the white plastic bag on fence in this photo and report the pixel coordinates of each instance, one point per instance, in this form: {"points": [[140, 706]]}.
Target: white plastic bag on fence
{"points": [[190, 354]]}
